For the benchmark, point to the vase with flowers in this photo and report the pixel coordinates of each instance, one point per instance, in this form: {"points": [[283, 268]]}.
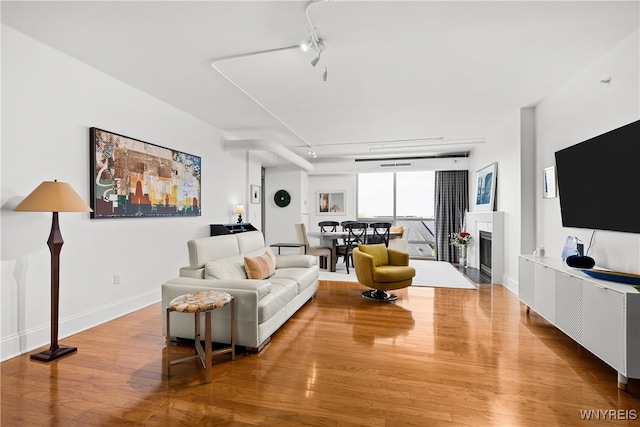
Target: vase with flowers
{"points": [[461, 240]]}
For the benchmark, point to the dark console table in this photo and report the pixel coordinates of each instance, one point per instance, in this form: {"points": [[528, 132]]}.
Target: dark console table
{"points": [[220, 229]]}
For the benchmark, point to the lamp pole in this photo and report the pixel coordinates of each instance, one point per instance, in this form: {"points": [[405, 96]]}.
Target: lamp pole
{"points": [[55, 246]]}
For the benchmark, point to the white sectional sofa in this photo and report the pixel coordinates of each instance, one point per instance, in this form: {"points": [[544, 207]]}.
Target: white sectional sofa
{"points": [[262, 306]]}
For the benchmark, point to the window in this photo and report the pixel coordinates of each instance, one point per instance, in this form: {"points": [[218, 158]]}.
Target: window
{"points": [[375, 195], [406, 199]]}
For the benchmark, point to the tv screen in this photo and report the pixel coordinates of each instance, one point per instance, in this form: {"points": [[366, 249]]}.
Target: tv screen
{"points": [[599, 181]]}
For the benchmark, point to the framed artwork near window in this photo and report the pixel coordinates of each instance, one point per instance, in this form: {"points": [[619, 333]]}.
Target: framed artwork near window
{"points": [[330, 203], [130, 178], [255, 194], [486, 188], [549, 183]]}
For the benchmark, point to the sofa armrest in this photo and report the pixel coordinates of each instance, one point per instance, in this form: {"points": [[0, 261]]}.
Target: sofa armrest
{"points": [[301, 261], [397, 257], [196, 273], [260, 287], [246, 304]]}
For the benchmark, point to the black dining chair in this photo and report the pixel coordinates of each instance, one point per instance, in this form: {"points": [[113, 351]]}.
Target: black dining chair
{"points": [[326, 226], [343, 223], [356, 235], [379, 233]]}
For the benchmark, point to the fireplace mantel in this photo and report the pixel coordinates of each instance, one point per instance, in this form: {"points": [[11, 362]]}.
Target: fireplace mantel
{"points": [[494, 223]]}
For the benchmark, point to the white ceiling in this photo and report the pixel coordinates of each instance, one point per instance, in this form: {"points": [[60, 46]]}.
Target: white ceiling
{"points": [[442, 73]]}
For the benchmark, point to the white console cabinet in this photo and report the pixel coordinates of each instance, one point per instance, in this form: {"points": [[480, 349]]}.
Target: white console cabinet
{"points": [[602, 316]]}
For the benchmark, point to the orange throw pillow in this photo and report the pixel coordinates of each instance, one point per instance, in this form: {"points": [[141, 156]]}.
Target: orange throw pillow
{"points": [[259, 267]]}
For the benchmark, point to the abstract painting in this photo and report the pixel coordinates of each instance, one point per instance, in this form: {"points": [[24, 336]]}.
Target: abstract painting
{"points": [[133, 178], [486, 188]]}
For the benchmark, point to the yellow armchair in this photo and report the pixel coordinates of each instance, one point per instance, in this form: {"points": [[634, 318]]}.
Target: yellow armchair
{"points": [[383, 270]]}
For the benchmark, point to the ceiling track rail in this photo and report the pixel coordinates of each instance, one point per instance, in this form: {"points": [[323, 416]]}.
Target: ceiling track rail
{"points": [[404, 159]]}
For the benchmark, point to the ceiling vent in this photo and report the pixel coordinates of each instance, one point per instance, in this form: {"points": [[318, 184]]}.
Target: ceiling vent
{"points": [[395, 165]]}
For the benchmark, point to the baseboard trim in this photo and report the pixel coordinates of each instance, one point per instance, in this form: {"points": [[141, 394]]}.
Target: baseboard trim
{"points": [[26, 341]]}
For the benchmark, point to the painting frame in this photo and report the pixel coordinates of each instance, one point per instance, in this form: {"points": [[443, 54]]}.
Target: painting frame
{"points": [[255, 194], [331, 202], [131, 178], [549, 183], [486, 179]]}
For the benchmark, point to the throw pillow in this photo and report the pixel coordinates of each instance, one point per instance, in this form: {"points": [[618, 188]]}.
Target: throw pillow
{"points": [[396, 229], [259, 267]]}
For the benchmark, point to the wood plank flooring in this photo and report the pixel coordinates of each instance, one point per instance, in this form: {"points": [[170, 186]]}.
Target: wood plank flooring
{"points": [[437, 357]]}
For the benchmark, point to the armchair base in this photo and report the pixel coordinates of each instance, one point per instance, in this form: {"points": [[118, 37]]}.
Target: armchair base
{"points": [[379, 295]]}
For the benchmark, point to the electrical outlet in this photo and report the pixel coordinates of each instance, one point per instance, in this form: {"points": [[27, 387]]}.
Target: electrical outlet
{"points": [[116, 279]]}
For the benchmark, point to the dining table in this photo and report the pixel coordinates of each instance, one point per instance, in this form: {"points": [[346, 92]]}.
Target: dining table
{"points": [[329, 239]]}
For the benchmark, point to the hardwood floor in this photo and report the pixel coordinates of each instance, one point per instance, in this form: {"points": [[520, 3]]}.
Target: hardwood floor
{"points": [[437, 357]]}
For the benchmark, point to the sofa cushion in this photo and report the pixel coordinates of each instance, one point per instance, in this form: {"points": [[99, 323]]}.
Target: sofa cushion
{"points": [[304, 261], [250, 241], [227, 268], [393, 273], [206, 249], [396, 229], [282, 292], [303, 277], [259, 267], [379, 253]]}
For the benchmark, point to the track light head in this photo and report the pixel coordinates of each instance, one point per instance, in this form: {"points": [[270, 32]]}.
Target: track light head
{"points": [[325, 75], [315, 60], [306, 45]]}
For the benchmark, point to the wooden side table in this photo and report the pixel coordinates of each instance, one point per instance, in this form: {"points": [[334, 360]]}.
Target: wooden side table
{"points": [[289, 245], [197, 303]]}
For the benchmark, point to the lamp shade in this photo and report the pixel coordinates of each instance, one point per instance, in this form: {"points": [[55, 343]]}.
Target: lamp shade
{"points": [[53, 197], [239, 209]]}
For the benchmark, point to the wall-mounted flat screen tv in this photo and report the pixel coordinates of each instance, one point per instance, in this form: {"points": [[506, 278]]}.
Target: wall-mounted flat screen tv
{"points": [[599, 181]]}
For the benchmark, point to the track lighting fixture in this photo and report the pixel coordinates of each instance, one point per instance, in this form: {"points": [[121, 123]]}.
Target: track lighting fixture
{"points": [[315, 60], [325, 74], [311, 153]]}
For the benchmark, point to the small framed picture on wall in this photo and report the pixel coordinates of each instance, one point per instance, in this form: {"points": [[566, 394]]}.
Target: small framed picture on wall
{"points": [[255, 194], [549, 183], [330, 203]]}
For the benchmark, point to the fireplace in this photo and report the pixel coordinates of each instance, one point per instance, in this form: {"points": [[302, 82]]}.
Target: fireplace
{"points": [[485, 252], [492, 223]]}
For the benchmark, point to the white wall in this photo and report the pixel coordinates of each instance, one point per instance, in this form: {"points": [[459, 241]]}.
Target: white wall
{"points": [[579, 110], [331, 183], [503, 147], [49, 101], [279, 221], [254, 177]]}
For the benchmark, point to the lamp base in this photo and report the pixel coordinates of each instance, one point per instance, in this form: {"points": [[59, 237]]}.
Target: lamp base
{"points": [[49, 355], [379, 295]]}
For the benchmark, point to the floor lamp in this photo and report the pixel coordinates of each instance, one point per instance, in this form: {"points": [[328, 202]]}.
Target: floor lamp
{"points": [[54, 197]]}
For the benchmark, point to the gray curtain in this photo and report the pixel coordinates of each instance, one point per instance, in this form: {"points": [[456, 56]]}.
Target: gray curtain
{"points": [[451, 203]]}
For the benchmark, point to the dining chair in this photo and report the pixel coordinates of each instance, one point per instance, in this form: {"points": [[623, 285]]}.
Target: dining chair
{"points": [[401, 243], [343, 242], [328, 226], [356, 235], [320, 251], [380, 233]]}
